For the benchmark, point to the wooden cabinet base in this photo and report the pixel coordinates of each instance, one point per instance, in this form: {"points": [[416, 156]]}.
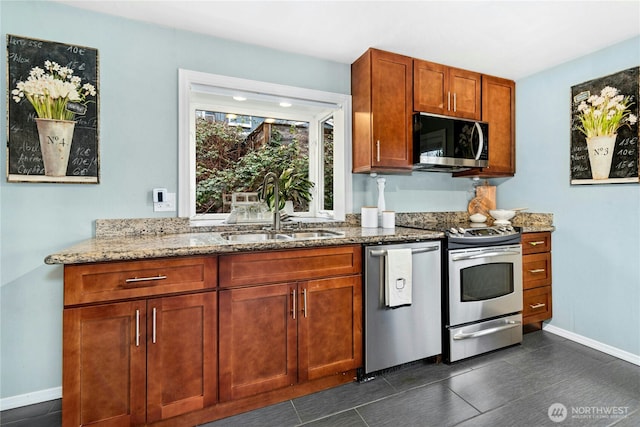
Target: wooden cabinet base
{"points": [[227, 409]]}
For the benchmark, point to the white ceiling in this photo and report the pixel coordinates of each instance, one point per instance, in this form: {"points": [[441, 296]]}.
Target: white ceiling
{"points": [[511, 39]]}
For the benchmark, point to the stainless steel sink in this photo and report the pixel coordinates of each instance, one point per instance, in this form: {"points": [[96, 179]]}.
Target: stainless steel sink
{"points": [[254, 237], [263, 236], [318, 234]]}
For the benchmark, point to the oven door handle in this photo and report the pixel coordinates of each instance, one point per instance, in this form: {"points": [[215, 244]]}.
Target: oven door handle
{"points": [[510, 324], [483, 255]]}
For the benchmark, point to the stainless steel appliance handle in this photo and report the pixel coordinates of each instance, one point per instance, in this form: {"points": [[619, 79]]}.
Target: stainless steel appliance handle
{"points": [[480, 140], [483, 255], [383, 252], [510, 324]]}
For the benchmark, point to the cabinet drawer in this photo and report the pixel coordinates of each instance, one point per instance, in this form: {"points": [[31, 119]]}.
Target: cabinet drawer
{"points": [[533, 243], [536, 270], [88, 283], [537, 305], [291, 265]]}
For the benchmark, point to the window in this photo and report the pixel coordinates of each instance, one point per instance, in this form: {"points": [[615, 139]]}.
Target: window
{"points": [[248, 106]]}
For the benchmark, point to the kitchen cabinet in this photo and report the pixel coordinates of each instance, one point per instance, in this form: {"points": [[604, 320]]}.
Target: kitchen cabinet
{"points": [[536, 278], [448, 91], [498, 109], [382, 100], [143, 359], [289, 317]]}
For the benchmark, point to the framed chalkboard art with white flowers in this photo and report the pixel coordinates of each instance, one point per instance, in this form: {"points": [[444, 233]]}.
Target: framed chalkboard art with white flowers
{"points": [[52, 112], [604, 129]]}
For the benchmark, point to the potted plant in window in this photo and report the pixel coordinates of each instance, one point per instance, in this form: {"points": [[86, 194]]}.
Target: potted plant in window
{"points": [[600, 117], [56, 95], [295, 187]]}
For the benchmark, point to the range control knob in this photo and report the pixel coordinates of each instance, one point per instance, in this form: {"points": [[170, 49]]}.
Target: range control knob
{"points": [[461, 230], [453, 230]]}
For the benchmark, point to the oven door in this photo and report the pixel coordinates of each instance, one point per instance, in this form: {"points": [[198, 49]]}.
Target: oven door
{"points": [[484, 283]]}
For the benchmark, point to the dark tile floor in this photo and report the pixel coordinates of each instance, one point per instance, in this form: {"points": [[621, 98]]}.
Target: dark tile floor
{"points": [[519, 386]]}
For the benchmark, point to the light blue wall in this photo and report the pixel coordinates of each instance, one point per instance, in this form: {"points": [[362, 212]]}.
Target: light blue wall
{"points": [[138, 129], [596, 248]]}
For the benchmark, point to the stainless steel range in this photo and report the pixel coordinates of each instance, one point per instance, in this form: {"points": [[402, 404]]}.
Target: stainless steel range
{"points": [[482, 290]]}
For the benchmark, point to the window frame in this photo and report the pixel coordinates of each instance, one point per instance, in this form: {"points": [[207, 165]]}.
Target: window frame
{"points": [[188, 79]]}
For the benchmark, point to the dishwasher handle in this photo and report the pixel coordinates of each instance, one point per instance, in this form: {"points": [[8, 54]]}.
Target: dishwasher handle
{"points": [[383, 252]]}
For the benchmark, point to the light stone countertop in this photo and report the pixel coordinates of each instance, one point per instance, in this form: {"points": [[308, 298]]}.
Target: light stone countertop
{"points": [[129, 239]]}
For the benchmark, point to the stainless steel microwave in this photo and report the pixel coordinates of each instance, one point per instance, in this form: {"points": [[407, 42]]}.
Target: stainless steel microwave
{"points": [[449, 144]]}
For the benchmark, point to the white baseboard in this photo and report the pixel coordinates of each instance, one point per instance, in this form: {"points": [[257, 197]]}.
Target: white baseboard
{"points": [[30, 398], [596, 345]]}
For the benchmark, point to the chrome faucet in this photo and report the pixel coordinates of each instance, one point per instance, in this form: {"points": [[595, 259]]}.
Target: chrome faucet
{"points": [[276, 202]]}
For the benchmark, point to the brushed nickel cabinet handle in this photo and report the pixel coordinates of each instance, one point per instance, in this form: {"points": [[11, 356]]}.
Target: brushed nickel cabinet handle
{"points": [[448, 101], [304, 294], [137, 328], [293, 297], [144, 279], [537, 270], [537, 243], [455, 104], [153, 338], [378, 150], [539, 305]]}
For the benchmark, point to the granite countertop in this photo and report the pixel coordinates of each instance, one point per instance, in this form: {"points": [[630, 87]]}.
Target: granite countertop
{"points": [[118, 240]]}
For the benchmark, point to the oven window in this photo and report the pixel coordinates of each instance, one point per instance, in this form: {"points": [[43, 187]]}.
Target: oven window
{"points": [[486, 281]]}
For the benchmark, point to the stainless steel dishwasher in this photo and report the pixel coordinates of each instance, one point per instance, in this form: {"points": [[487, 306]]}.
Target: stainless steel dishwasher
{"points": [[393, 336]]}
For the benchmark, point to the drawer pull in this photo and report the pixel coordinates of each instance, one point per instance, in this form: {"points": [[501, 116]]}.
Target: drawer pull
{"points": [[145, 279], [537, 270], [537, 243], [538, 305]]}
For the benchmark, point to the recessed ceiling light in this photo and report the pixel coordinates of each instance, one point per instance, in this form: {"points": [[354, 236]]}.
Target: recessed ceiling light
{"points": [[270, 120], [239, 98], [231, 116], [285, 104]]}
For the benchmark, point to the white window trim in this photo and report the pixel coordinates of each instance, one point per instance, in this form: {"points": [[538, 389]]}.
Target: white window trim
{"points": [[186, 135]]}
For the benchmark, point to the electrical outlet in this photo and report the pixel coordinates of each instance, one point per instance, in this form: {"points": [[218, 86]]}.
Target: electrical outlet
{"points": [[163, 201]]}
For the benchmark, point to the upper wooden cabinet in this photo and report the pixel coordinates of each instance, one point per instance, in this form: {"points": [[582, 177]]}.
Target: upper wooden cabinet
{"points": [[439, 89], [382, 94], [499, 110]]}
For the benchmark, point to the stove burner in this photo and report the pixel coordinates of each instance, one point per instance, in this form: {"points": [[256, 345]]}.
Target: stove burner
{"points": [[485, 236]]}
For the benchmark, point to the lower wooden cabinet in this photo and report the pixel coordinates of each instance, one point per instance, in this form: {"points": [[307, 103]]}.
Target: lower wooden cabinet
{"points": [[136, 362], [536, 277], [279, 335]]}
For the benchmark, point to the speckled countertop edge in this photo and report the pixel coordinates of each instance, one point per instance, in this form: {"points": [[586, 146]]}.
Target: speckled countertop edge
{"points": [[127, 239]]}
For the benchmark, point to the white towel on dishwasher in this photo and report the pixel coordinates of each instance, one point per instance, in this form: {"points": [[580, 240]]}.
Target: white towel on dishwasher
{"points": [[398, 277]]}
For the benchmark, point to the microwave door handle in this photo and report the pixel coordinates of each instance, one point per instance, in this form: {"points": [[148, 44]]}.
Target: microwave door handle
{"points": [[480, 140]]}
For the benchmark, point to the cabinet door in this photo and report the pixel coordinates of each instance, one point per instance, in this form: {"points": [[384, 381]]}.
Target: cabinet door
{"points": [[465, 93], [430, 87], [104, 365], [329, 326], [257, 340], [181, 354], [498, 109], [392, 87]]}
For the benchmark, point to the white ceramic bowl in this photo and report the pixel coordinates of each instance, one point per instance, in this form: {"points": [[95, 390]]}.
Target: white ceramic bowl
{"points": [[502, 216], [478, 217]]}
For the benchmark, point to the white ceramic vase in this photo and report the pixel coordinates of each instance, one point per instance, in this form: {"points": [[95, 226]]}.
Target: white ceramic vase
{"points": [[55, 144], [600, 155]]}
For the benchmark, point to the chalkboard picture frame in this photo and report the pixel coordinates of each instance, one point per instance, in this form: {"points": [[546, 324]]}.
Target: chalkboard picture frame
{"points": [[25, 157], [626, 153]]}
